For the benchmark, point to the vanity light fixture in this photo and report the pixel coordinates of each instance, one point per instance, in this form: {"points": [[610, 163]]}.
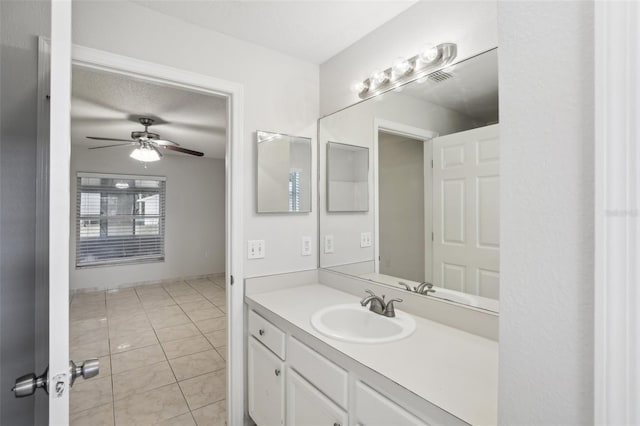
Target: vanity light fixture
{"points": [[429, 59]]}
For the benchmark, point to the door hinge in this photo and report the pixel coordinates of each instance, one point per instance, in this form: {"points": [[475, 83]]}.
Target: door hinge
{"points": [[432, 164], [432, 239], [48, 97], [231, 280]]}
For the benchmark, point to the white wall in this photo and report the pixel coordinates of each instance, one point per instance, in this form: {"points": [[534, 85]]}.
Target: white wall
{"points": [[194, 217], [281, 95], [402, 206], [547, 198], [471, 24]]}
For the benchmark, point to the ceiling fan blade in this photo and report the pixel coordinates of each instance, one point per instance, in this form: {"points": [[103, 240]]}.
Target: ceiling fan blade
{"points": [[109, 139], [109, 146], [164, 142], [184, 150]]}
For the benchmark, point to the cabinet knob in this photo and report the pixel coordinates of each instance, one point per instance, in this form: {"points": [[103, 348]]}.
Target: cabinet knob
{"points": [[261, 331], [277, 371]]}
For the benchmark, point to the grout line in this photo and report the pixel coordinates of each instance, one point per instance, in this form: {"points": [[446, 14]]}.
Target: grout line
{"points": [[143, 309]]}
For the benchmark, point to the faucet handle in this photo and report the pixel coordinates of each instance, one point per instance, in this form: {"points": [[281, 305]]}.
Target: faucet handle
{"points": [[389, 309], [405, 285]]}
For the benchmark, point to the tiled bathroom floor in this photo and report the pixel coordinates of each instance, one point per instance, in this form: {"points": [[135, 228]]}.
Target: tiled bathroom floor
{"points": [[162, 354]]}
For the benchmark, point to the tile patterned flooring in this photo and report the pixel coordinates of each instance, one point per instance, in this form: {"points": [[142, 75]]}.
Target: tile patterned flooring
{"points": [[162, 354]]}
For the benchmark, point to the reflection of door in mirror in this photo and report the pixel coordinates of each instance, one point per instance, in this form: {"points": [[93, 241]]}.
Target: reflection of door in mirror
{"points": [[466, 211], [439, 220]]}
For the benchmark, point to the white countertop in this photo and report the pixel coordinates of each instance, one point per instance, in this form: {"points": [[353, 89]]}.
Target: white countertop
{"points": [[454, 370]]}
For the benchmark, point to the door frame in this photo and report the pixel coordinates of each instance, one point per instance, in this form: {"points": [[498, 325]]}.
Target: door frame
{"points": [[617, 219], [412, 132], [98, 60]]}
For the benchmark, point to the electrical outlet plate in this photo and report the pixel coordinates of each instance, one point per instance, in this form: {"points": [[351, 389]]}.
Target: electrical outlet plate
{"points": [[328, 243], [255, 249], [365, 239], [306, 246]]}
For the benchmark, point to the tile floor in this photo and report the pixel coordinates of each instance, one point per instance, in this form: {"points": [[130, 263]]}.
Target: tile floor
{"points": [[162, 354]]}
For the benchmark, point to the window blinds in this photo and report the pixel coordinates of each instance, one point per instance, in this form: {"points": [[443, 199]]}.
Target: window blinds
{"points": [[119, 219]]}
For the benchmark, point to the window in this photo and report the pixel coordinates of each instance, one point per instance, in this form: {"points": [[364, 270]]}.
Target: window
{"points": [[119, 219], [294, 190]]}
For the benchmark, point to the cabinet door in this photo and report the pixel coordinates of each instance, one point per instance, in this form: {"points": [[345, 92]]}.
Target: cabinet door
{"points": [[375, 409], [307, 406], [265, 385]]}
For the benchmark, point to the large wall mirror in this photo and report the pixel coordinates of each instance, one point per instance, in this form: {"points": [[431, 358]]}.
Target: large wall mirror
{"points": [[284, 173], [432, 221]]}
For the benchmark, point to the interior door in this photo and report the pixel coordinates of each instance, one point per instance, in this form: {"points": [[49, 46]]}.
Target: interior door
{"points": [[59, 207], [466, 179]]}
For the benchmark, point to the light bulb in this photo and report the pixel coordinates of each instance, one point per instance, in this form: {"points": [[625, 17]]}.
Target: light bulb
{"points": [[378, 78], [401, 67], [359, 87], [428, 53], [145, 154]]}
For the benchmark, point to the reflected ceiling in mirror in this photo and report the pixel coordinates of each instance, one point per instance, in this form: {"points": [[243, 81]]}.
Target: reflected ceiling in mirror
{"points": [[432, 216]]}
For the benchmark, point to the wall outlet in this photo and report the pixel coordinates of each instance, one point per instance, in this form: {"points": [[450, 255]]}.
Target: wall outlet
{"points": [[328, 243], [306, 246], [365, 239], [255, 249]]}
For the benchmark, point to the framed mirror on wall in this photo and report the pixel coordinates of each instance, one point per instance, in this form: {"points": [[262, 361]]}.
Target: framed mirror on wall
{"points": [[431, 224], [284, 173]]}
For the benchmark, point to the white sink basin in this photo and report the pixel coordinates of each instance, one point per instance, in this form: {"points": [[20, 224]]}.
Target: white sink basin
{"points": [[355, 323]]}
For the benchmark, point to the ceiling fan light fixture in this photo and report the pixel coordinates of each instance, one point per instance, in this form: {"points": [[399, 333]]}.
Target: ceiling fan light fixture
{"points": [[145, 154]]}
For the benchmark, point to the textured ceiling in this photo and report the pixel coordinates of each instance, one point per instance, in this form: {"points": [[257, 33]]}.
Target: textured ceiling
{"points": [[108, 105], [313, 31], [472, 90]]}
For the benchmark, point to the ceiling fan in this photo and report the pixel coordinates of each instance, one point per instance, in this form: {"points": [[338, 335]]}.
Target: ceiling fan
{"points": [[148, 143]]}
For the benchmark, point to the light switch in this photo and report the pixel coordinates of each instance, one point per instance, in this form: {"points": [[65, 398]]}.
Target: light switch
{"points": [[328, 243], [365, 239], [306, 246], [255, 249]]}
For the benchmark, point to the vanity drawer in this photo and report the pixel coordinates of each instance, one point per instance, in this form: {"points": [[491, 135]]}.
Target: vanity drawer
{"points": [[267, 333], [330, 379]]}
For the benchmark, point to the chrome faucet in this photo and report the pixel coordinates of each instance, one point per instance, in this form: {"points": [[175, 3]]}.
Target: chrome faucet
{"points": [[378, 305], [424, 288]]}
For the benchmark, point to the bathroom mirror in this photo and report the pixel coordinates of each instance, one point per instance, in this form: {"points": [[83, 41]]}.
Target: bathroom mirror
{"points": [[433, 214], [284, 173], [347, 178]]}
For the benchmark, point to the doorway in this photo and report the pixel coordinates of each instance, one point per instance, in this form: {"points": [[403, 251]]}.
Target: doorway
{"points": [[215, 290]]}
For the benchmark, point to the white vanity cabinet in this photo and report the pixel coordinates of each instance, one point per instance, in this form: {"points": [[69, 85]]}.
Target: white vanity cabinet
{"points": [[292, 384]]}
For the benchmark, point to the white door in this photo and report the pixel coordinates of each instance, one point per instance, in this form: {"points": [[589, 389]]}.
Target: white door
{"points": [[466, 217], [265, 385], [59, 206]]}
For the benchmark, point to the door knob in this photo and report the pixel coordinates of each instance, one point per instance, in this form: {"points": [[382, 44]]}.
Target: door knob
{"points": [[88, 369], [26, 385]]}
